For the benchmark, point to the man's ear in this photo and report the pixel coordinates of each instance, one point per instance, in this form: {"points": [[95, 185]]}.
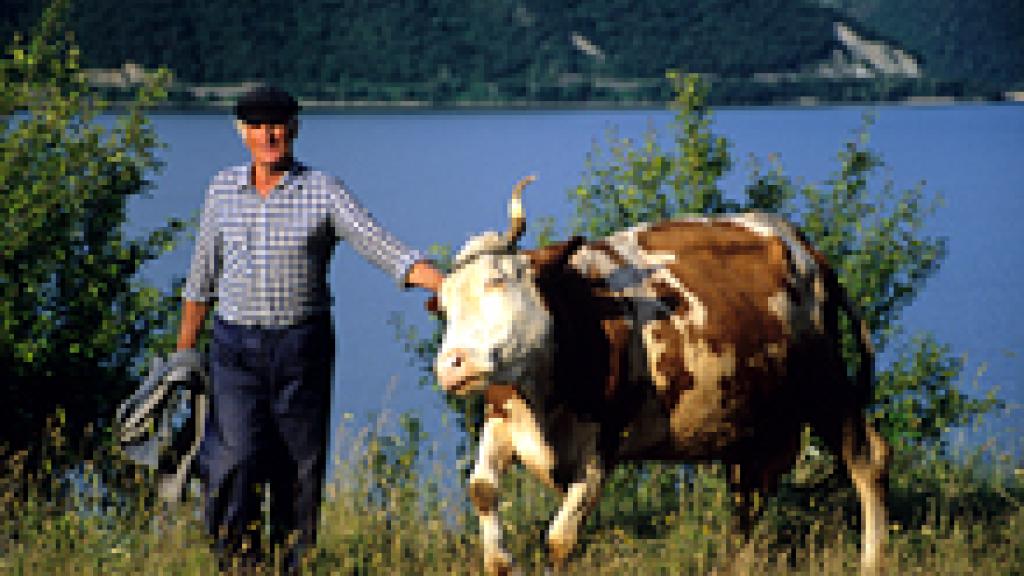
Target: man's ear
{"points": [[555, 256]]}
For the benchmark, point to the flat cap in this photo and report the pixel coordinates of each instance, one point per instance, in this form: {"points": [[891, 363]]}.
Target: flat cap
{"points": [[266, 105]]}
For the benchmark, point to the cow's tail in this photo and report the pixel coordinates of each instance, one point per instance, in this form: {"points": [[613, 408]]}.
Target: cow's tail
{"points": [[865, 377], [837, 298]]}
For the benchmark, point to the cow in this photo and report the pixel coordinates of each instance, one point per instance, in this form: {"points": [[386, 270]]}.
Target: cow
{"points": [[692, 339]]}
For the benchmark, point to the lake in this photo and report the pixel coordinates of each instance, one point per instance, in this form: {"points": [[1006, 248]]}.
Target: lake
{"points": [[439, 177]]}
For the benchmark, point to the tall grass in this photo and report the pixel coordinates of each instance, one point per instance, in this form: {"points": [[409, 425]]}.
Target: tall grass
{"points": [[394, 506]]}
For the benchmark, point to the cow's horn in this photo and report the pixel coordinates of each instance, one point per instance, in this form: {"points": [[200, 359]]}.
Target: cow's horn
{"points": [[516, 216]]}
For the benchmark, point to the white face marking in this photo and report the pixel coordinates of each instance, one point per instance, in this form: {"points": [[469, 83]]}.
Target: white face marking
{"points": [[497, 326]]}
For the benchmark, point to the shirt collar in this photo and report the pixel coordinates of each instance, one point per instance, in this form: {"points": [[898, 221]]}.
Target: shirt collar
{"points": [[289, 180]]}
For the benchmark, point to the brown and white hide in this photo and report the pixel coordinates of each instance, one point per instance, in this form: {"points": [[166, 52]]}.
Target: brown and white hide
{"points": [[695, 339]]}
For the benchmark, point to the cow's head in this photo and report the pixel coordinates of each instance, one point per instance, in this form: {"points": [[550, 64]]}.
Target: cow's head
{"points": [[498, 327]]}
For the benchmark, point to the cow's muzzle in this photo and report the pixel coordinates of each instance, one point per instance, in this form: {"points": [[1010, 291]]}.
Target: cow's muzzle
{"points": [[456, 373]]}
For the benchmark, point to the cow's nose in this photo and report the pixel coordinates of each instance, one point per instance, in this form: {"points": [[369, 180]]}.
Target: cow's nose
{"points": [[452, 359], [451, 366]]}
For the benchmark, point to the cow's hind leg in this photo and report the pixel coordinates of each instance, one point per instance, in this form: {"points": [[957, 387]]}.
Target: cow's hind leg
{"points": [[866, 456], [751, 482], [746, 496]]}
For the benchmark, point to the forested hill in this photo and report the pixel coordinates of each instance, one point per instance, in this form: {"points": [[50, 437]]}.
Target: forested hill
{"points": [[980, 41], [509, 51]]}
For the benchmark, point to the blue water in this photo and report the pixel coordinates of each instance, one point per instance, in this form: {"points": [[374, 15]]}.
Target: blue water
{"points": [[441, 177]]}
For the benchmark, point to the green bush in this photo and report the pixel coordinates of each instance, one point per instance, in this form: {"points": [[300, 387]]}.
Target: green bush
{"points": [[75, 318]]}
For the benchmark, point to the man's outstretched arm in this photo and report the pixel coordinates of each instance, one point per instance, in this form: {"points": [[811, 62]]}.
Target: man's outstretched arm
{"points": [[193, 313]]}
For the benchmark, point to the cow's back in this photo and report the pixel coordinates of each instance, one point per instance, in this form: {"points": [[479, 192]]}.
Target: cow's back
{"points": [[727, 326]]}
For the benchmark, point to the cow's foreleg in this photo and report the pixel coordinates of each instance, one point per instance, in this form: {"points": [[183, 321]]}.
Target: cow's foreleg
{"points": [[494, 453], [580, 496]]}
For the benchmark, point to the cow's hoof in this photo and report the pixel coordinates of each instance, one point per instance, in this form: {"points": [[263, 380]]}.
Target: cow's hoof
{"points": [[483, 492], [872, 569], [555, 566], [499, 564], [558, 555]]}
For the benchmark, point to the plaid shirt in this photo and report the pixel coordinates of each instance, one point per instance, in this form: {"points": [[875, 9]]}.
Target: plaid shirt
{"points": [[265, 260]]}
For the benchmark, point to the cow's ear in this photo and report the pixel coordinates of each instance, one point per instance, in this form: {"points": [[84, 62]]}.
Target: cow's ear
{"points": [[556, 256], [433, 304]]}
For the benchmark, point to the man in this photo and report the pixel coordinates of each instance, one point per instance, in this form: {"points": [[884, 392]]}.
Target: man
{"points": [[266, 234]]}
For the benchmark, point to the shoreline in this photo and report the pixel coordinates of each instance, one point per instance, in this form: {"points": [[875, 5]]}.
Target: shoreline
{"points": [[317, 107]]}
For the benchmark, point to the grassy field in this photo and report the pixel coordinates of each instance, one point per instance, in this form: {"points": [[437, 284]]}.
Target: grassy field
{"points": [[392, 508]]}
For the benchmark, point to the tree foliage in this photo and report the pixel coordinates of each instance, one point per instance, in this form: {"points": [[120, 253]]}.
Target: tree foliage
{"points": [[647, 183], [75, 316]]}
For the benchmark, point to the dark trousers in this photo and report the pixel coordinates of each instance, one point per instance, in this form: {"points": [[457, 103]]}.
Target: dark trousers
{"points": [[267, 425]]}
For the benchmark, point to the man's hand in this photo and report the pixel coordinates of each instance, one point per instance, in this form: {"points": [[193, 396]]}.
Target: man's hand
{"points": [[192, 316], [425, 275]]}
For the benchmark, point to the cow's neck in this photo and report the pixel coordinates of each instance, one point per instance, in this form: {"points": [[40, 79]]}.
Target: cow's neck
{"points": [[589, 339]]}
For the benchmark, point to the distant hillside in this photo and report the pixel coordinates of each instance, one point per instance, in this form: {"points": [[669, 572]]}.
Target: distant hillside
{"points": [[505, 51], [979, 42]]}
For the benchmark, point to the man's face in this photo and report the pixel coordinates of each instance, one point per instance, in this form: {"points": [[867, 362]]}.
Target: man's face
{"points": [[268, 143]]}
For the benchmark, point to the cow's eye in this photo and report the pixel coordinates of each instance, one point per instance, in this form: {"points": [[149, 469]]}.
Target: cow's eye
{"points": [[494, 282]]}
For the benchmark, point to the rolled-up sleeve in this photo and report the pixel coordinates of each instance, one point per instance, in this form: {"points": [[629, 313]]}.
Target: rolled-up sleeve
{"points": [[357, 226], [201, 283]]}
